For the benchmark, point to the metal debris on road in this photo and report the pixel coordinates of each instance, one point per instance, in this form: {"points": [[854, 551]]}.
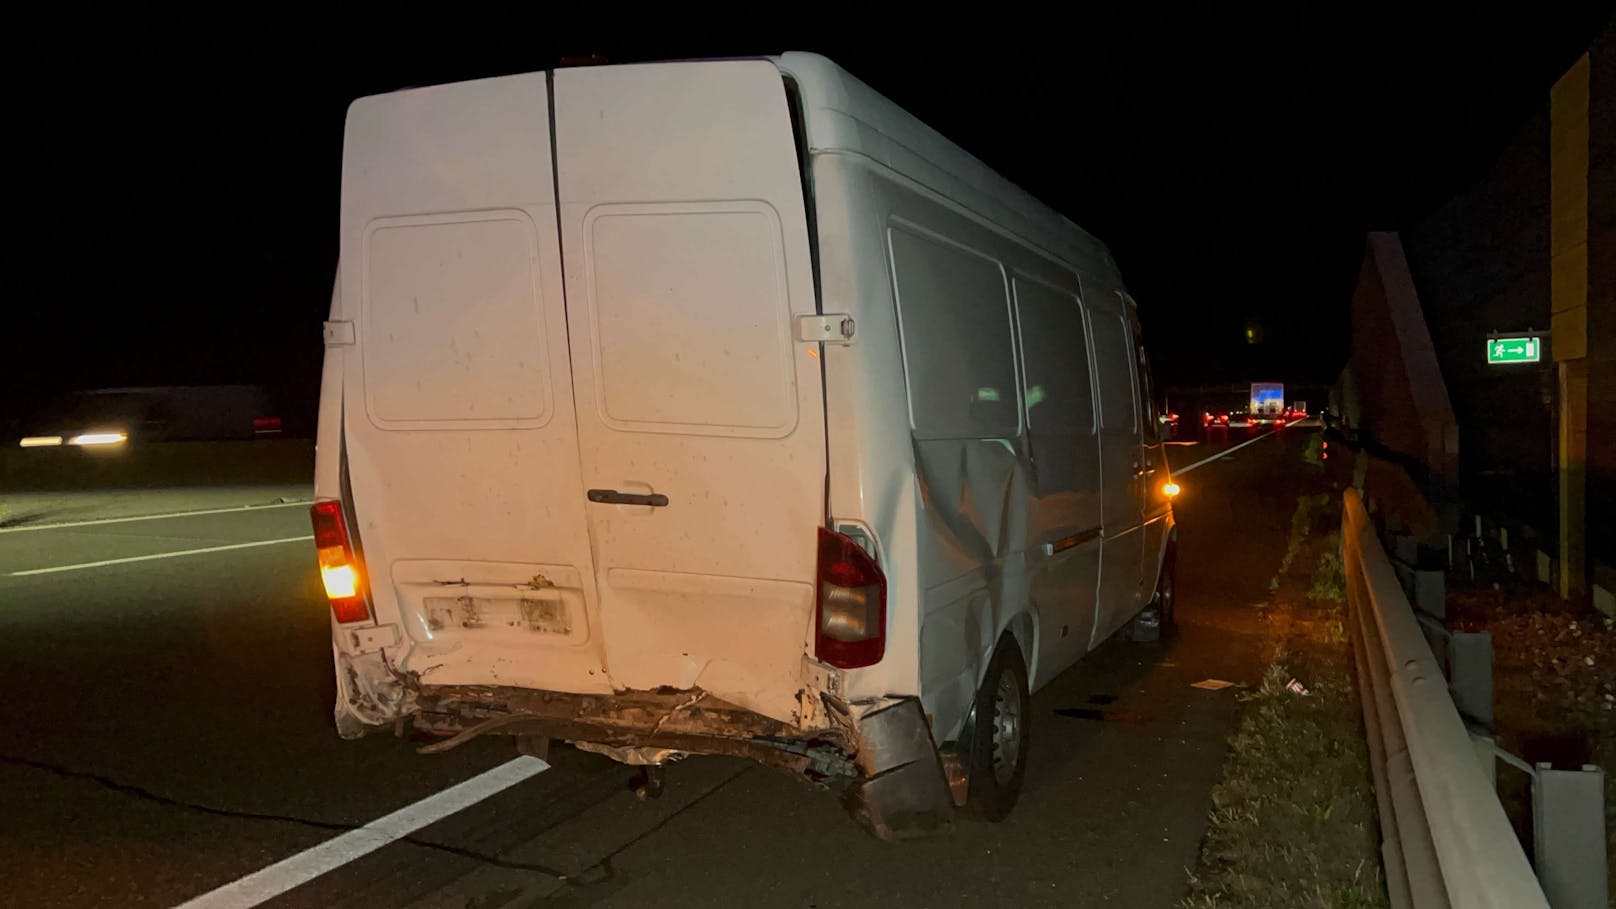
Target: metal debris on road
{"points": [[1212, 684]]}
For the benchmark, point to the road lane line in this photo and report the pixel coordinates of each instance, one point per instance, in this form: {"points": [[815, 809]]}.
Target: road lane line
{"points": [[161, 555], [1231, 450], [152, 517], [309, 864]]}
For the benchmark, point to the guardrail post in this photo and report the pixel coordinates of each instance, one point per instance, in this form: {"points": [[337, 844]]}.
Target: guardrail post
{"points": [[1470, 674], [1487, 753], [1405, 577], [1431, 593], [1568, 827], [1405, 549]]}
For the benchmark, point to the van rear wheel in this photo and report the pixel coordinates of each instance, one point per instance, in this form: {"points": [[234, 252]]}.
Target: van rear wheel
{"points": [[1000, 733]]}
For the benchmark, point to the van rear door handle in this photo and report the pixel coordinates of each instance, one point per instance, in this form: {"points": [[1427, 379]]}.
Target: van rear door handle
{"points": [[613, 497]]}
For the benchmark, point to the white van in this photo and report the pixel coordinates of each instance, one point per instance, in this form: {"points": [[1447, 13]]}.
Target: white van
{"points": [[724, 407]]}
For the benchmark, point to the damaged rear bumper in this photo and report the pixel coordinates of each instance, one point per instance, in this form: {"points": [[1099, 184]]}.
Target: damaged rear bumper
{"points": [[879, 753]]}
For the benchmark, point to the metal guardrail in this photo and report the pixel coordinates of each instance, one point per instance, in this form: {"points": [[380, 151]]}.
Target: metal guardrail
{"points": [[1445, 838]]}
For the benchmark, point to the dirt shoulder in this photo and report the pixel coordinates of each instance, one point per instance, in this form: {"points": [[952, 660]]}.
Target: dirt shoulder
{"points": [[1293, 821]]}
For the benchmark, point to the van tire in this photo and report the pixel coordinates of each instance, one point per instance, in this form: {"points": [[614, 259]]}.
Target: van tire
{"points": [[1000, 734], [1158, 621]]}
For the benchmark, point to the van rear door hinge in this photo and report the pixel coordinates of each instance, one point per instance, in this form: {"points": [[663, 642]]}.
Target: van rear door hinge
{"points": [[836, 328], [339, 334]]}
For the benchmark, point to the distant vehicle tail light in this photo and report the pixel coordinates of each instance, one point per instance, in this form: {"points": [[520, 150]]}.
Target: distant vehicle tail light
{"points": [[1206, 418], [339, 570], [1223, 418], [267, 426], [851, 607]]}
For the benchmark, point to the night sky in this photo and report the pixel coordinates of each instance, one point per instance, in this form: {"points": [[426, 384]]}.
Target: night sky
{"points": [[177, 176]]}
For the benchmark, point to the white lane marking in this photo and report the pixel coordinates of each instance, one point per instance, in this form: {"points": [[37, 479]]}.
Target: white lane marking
{"points": [[161, 555], [152, 517], [1231, 450], [309, 864]]}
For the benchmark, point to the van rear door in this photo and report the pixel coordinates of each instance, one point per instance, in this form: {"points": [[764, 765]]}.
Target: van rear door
{"points": [[458, 433], [602, 474], [700, 420]]}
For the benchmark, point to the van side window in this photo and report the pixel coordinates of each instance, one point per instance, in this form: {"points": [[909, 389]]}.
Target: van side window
{"points": [[1055, 350], [954, 315], [1113, 356], [1147, 386]]}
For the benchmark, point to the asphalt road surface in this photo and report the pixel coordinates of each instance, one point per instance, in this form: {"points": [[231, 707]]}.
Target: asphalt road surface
{"points": [[165, 730]]}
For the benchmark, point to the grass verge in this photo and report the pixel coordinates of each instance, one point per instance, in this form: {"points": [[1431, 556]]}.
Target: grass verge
{"points": [[1293, 821]]}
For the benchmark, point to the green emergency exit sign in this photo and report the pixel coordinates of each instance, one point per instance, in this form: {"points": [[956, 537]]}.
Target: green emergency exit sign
{"points": [[1514, 350]]}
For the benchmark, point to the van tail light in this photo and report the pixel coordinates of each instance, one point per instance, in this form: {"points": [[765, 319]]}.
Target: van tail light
{"points": [[851, 608], [266, 426], [339, 570]]}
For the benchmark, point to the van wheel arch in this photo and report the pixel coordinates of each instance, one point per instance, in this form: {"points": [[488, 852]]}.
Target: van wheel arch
{"points": [[1023, 628], [1159, 618]]}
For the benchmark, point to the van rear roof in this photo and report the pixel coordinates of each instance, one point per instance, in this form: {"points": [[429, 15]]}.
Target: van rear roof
{"points": [[841, 113]]}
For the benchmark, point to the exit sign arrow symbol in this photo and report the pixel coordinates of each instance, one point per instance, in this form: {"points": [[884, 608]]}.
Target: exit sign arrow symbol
{"points": [[1514, 350]]}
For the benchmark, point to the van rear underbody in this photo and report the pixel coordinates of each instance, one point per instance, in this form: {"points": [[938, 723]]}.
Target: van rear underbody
{"points": [[878, 753]]}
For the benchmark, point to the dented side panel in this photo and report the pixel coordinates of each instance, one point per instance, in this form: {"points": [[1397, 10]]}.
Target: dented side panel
{"points": [[871, 463], [975, 539]]}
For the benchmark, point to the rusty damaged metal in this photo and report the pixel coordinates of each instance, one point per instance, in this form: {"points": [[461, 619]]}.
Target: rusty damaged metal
{"points": [[690, 721]]}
